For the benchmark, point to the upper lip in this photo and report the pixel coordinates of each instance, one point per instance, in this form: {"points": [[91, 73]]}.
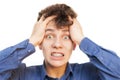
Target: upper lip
{"points": [[57, 52]]}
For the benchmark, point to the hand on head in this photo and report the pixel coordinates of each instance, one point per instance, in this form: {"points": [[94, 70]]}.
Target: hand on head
{"points": [[38, 32], [76, 32]]}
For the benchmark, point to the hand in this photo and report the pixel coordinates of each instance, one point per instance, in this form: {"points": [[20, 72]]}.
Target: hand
{"points": [[76, 32], [39, 30]]}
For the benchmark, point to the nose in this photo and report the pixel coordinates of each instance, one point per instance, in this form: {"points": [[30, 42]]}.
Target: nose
{"points": [[57, 43]]}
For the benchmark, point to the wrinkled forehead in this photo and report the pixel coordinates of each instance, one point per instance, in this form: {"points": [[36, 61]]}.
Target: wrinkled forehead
{"points": [[52, 24]]}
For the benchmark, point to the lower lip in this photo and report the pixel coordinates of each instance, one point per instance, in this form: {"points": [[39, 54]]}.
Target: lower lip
{"points": [[57, 58]]}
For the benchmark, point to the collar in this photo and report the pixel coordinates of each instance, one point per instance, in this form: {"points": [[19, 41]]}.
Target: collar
{"points": [[67, 74], [43, 73]]}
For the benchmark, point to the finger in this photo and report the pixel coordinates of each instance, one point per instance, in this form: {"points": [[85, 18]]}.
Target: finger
{"points": [[70, 18], [41, 19], [43, 22], [48, 19]]}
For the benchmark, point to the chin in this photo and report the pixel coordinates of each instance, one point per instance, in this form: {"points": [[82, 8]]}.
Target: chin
{"points": [[58, 64]]}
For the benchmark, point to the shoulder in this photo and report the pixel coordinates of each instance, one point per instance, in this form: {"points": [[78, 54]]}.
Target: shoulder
{"points": [[87, 70], [84, 66], [34, 68], [31, 72]]}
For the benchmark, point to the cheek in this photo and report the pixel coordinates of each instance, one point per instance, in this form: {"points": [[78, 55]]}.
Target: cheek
{"points": [[46, 46], [69, 45], [45, 50]]}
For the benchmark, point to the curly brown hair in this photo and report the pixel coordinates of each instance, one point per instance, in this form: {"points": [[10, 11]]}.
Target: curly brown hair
{"points": [[62, 13]]}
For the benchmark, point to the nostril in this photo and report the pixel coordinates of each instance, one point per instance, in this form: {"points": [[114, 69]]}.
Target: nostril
{"points": [[57, 44]]}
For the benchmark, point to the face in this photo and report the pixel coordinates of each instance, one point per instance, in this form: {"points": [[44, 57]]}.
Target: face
{"points": [[56, 45]]}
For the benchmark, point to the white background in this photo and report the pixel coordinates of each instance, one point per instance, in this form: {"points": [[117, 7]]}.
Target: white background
{"points": [[100, 20]]}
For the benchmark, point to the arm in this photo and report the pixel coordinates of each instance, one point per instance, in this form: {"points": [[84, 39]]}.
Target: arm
{"points": [[105, 60], [10, 58]]}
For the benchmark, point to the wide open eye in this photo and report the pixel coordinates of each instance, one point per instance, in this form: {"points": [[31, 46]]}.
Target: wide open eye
{"points": [[49, 37], [66, 37]]}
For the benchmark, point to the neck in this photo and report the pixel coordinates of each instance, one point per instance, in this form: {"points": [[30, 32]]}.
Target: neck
{"points": [[55, 72]]}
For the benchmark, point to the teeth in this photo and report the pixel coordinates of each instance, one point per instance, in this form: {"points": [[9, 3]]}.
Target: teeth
{"points": [[57, 54]]}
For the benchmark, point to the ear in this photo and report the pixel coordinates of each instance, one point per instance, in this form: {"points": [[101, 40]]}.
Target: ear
{"points": [[74, 46]]}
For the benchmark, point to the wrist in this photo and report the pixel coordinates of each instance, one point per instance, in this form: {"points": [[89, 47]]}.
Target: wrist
{"points": [[81, 38], [33, 41]]}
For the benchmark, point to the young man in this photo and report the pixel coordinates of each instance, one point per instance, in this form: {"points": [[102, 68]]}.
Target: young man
{"points": [[57, 32]]}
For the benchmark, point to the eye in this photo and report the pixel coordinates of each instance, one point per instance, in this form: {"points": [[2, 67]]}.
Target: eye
{"points": [[49, 36], [66, 37]]}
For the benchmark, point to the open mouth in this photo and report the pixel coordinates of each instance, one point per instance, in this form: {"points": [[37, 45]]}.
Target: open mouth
{"points": [[57, 54]]}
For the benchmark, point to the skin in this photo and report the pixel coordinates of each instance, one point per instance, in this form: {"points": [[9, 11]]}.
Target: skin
{"points": [[56, 44]]}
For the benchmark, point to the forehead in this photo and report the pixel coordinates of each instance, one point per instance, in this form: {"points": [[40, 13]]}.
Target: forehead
{"points": [[52, 25]]}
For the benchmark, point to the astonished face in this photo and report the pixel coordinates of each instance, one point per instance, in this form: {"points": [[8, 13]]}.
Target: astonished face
{"points": [[56, 45]]}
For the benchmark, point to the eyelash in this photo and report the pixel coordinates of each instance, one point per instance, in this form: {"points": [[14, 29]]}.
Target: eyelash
{"points": [[66, 37], [49, 36]]}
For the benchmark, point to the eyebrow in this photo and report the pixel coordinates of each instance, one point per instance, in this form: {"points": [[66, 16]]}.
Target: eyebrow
{"points": [[51, 30], [65, 30]]}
